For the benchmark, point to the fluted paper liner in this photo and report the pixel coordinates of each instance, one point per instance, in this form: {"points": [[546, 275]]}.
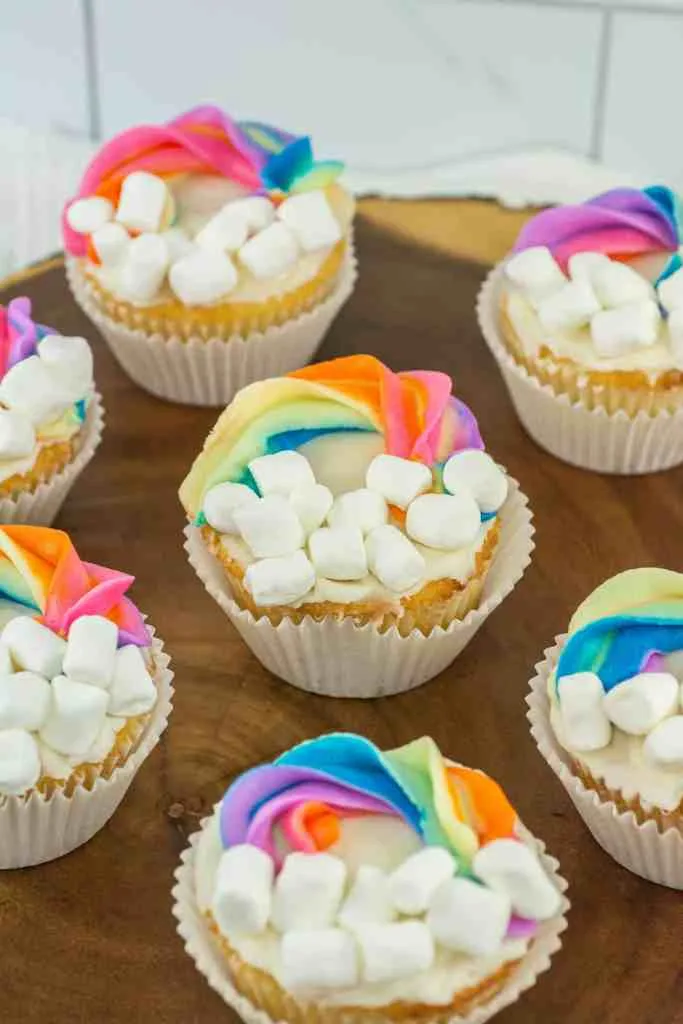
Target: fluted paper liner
{"points": [[41, 506], [587, 437], [209, 372], [642, 848], [338, 658], [39, 828], [199, 944]]}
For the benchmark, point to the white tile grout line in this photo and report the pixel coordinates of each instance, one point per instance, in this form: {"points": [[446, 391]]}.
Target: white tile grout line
{"points": [[91, 72], [601, 85]]}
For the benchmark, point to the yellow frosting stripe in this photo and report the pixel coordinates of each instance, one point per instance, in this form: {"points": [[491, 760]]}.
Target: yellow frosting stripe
{"points": [[626, 592]]}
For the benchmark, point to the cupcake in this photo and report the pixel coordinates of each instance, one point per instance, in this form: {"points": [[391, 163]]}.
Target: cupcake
{"points": [[84, 694], [346, 506], [210, 253], [50, 415], [605, 710], [585, 318], [342, 884]]}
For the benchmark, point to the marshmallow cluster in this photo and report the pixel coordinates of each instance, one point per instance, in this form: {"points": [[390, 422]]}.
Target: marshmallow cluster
{"points": [[251, 232], [297, 532], [62, 702], [618, 304], [337, 931]]}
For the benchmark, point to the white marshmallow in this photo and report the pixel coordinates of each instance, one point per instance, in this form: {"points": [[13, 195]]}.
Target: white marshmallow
{"points": [[311, 502], [110, 242], [398, 480], [318, 958], [71, 361], [393, 559], [91, 651], [636, 705], [616, 284], [585, 723], [103, 742], [617, 331], [444, 521], [675, 328], [673, 663], [271, 252], [312, 220], [308, 891], [469, 918], [582, 265], [88, 215], [414, 882], [145, 203], [34, 647], [30, 387], [202, 277], [17, 435], [664, 745], [20, 765], [132, 691], [143, 268], [571, 307], [670, 291], [362, 508], [242, 890], [6, 666], [338, 553], [226, 231], [24, 701], [257, 211], [476, 473], [535, 271], [221, 501], [270, 526], [368, 901], [510, 867], [283, 580], [178, 243], [75, 717], [391, 951], [281, 473]]}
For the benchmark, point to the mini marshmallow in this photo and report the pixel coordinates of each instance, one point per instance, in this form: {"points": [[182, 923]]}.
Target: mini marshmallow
{"points": [[88, 215], [226, 231], [312, 220], [393, 559], [535, 271], [30, 387], [20, 765], [281, 473], [318, 958], [132, 691], [413, 883], [664, 746], [34, 647], [271, 252], [71, 361], [308, 891], [6, 666], [270, 527], [338, 553], [242, 890], [145, 203], [24, 701], [283, 580], [311, 502], [616, 284], [469, 918], [670, 291], [257, 211], [582, 265], [144, 268], [444, 521], [76, 715], [585, 723], [363, 508], [391, 951], [110, 242], [91, 651], [616, 332], [202, 277], [17, 435], [221, 501], [510, 867], [178, 243], [571, 307], [636, 705], [476, 473], [398, 480], [368, 901], [675, 329]]}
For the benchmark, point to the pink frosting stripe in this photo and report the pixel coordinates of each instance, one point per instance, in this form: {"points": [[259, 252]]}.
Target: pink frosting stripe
{"points": [[438, 389]]}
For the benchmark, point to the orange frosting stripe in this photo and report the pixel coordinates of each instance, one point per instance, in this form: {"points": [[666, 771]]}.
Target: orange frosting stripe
{"points": [[495, 815]]}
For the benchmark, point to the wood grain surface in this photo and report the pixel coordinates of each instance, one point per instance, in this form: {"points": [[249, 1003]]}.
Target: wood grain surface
{"points": [[90, 939]]}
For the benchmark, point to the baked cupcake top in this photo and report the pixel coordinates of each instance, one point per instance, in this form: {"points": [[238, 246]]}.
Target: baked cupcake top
{"points": [[616, 698], [204, 210], [346, 482], [74, 658], [361, 877], [46, 383], [601, 283]]}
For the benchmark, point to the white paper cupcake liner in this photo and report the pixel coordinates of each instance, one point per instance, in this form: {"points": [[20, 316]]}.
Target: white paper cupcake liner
{"points": [[589, 438], [336, 657], [210, 372], [39, 828], [642, 848], [40, 507], [201, 946]]}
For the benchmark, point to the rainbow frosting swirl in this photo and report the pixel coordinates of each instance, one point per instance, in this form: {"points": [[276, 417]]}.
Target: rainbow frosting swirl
{"points": [[205, 140], [41, 571]]}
